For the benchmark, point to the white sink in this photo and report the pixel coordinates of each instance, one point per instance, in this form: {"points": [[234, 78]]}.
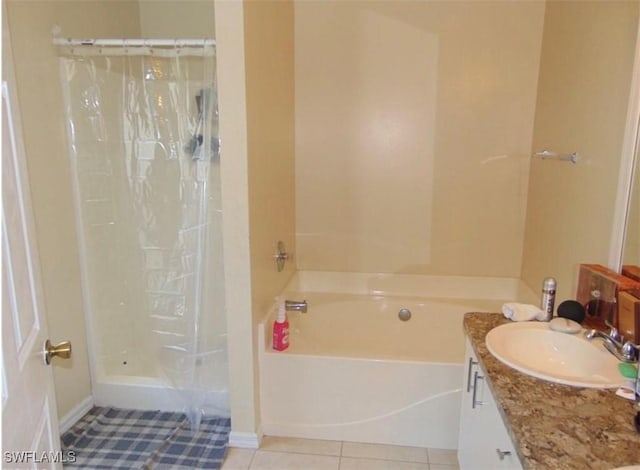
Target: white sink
{"points": [[570, 359]]}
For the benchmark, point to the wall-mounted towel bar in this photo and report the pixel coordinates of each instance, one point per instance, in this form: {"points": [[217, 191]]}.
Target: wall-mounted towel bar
{"points": [[565, 157]]}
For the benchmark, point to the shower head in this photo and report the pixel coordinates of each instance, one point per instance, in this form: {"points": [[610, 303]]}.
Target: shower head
{"points": [[205, 99]]}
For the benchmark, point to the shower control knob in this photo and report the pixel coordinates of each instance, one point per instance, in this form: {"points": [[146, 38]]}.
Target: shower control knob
{"points": [[281, 255], [62, 350]]}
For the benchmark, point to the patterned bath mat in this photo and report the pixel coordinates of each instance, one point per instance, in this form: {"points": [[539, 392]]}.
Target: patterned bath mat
{"points": [[111, 438]]}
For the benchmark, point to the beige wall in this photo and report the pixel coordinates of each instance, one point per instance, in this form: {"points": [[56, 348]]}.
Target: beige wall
{"points": [[268, 28], [49, 166], [177, 19], [585, 71], [256, 118], [270, 124], [413, 125], [243, 390]]}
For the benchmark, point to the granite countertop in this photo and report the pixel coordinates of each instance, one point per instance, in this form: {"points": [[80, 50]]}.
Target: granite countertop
{"points": [[555, 426]]}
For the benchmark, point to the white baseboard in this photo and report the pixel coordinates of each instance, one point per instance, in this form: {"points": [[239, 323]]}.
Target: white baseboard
{"points": [[246, 440], [75, 414]]}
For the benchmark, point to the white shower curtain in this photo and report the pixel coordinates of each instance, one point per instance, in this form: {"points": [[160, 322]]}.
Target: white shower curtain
{"points": [[142, 127]]}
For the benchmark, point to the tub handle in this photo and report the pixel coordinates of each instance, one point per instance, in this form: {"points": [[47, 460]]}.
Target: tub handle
{"points": [[475, 402], [281, 255], [471, 364]]}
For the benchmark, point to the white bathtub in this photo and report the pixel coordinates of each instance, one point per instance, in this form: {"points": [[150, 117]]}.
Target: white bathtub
{"points": [[356, 372]]}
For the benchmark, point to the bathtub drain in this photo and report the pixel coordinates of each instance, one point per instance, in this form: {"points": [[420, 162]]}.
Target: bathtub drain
{"points": [[404, 314]]}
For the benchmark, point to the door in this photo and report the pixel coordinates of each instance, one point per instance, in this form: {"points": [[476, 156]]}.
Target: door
{"points": [[29, 421]]}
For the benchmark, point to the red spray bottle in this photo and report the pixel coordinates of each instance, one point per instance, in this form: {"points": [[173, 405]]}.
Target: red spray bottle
{"points": [[281, 329]]}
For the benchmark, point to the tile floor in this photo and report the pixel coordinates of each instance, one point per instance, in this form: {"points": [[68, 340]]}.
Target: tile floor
{"points": [[280, 453]]}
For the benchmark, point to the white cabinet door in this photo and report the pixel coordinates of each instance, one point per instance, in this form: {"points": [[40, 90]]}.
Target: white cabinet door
{"points": [[29, 423], [483, 442], [499, 449], [468, 443]]}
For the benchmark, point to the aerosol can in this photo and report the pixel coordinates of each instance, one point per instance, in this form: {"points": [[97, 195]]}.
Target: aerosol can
{"points": [[548, 298]]}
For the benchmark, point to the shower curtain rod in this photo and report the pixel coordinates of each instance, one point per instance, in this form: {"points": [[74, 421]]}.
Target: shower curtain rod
{"points": [[134, 42]]}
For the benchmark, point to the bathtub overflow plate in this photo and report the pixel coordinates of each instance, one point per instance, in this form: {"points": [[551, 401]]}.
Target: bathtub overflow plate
{"points": [[404, 314]]}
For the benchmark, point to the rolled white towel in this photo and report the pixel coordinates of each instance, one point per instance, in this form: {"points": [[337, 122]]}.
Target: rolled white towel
{"points": [[522, 312]]}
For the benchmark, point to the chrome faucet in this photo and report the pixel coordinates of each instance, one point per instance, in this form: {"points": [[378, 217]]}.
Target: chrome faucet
{"points": [[300, 306], [612, 342]]}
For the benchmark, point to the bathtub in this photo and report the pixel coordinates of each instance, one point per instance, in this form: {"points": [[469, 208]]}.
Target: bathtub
{"points": [[355, 371]]}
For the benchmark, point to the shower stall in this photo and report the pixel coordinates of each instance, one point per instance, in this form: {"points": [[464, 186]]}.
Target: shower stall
{"points": [[141, 122]]}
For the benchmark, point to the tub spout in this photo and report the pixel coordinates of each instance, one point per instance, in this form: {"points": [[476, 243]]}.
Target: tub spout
{"points": [[300, 306]]}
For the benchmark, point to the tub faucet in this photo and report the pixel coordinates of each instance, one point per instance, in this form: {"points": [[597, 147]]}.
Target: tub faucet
{"points": [[300, 306], [612, 342]]}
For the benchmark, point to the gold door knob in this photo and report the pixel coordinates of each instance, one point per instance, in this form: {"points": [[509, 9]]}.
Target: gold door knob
{"points": [[62, 350]]}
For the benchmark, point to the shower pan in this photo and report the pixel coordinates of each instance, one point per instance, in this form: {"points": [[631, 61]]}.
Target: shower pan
{"points": [[142, 129]]}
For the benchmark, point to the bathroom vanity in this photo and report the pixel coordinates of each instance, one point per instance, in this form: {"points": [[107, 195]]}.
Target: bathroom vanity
{"points": [[512, 420]]}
